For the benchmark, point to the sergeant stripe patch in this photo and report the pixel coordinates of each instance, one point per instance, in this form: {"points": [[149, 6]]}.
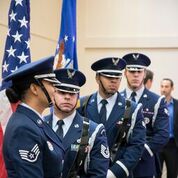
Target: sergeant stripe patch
{"points": [[105, 151], [30, 156]]}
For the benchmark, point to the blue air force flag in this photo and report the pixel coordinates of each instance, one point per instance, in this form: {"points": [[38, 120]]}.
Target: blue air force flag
{"points": [[66, 53]]}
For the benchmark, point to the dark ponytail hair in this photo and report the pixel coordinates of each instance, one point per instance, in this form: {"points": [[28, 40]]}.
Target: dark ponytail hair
{"points": [[19, 88], [12, 95]]}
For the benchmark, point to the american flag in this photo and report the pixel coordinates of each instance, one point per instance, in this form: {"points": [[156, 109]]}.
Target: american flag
{"points": [[17, 47], [66, 52]]}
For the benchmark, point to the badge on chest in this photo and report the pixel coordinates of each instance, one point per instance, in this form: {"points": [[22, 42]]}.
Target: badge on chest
{"points": [[74, 147]]}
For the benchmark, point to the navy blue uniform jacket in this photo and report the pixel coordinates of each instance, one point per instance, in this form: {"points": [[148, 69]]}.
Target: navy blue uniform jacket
{"points": [[129, 154], [156, 119], [31, 148], [97, 160]]}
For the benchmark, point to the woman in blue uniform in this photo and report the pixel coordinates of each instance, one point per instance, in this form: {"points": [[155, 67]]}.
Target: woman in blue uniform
{"points": [[31, 148]]}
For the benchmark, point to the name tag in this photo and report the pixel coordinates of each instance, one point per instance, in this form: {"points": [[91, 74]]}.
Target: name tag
{"points": [[74, 147]]}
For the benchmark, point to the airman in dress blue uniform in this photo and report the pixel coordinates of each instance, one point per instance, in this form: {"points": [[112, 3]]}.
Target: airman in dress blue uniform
{"points": [[128, 152], [154, 111], [31, 148], [96, 160]]}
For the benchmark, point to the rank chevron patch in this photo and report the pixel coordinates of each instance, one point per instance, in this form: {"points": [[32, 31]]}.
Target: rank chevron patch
{"points": [[30, 156], [105, 151]]}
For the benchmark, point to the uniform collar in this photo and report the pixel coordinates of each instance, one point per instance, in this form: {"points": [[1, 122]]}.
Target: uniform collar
{"points": [[138, 92], [27, 106], [110, 100], [67, 121]]}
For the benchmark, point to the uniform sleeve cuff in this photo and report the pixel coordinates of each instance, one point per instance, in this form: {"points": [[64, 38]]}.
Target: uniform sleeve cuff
{"points": [[147, 153], [148, 149], [119, 169]]}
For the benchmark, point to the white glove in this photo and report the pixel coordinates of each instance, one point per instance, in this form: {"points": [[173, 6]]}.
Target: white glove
{"points": [[110, 174]]}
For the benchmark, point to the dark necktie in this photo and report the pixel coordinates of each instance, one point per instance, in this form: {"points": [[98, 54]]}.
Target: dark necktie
{"points": [[59, 130], [132, 96], [103, 112]]}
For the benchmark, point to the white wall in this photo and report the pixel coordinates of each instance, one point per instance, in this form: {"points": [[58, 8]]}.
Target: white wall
{"points": [[117, 27], [108, 28]]}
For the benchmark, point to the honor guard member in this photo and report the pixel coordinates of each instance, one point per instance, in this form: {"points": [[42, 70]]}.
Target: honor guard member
{"points": [[31, 148], [154, 111], [123, 119], [85, 142]]}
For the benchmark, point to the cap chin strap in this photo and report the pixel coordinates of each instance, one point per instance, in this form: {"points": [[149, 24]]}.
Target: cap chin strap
{"points": [[60, 109], [45, 92], [105, 91]]}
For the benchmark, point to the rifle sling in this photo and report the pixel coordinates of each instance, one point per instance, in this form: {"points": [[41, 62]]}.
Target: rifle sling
{"points": [[122, 130], [82, 152]]}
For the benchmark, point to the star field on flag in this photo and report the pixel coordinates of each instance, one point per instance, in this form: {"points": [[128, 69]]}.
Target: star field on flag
{"points": [[17, 47]]}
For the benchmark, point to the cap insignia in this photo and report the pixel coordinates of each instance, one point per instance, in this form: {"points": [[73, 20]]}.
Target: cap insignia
{"points": [[115, 61], [135, 56], [70, 74]]}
